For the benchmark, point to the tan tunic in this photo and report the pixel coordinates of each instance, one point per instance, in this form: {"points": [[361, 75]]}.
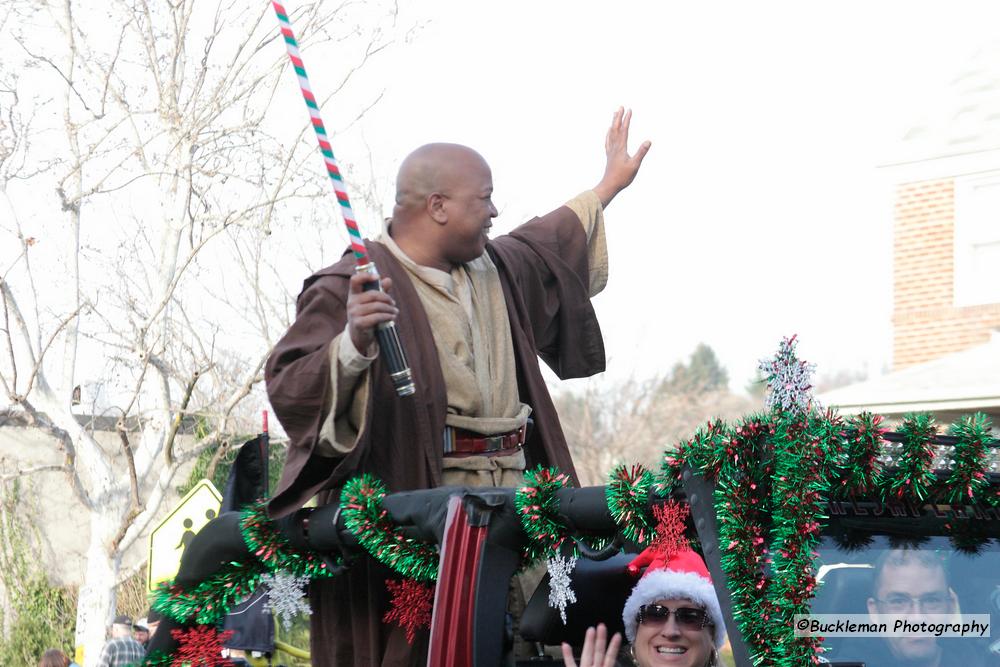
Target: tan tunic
{"points": [[473, 340]]}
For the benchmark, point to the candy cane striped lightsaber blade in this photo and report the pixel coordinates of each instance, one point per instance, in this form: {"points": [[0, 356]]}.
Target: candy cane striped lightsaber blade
{"points": [[388, 338], [332, 169]]}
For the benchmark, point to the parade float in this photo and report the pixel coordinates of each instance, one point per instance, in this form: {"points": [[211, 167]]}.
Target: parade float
{"points": [[791, 507]]}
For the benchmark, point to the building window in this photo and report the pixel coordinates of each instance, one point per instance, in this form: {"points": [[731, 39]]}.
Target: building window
{"points": [[977, 240]]}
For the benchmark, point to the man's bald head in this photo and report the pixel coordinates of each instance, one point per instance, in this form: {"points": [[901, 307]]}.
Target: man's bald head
{"points": [[444, 205], [435, 168]]}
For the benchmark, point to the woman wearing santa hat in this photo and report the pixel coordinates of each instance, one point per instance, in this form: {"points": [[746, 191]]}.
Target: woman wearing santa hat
{"points": [[672, 618]]}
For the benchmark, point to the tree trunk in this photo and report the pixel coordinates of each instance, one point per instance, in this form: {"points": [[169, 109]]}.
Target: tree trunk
{"points": [[74, 185], [96, 606]]}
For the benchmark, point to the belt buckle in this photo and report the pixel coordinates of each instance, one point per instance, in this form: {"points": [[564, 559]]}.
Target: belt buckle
{"points": [[494, 443]]}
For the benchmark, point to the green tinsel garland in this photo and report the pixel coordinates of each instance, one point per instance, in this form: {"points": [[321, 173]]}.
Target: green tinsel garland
{"points": [[157, 659], [742, 488], [212, 598], [538, 508], [706, 452], [808, 459], [274, 550], [776, 469], [914, 475], [627, 493], [802, 448], [968, 474], [361, 503], [862, 471]]}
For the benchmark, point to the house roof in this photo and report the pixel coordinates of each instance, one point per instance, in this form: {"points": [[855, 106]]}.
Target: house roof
{"points": [[964, 117], [951, 386], [960, 119]]}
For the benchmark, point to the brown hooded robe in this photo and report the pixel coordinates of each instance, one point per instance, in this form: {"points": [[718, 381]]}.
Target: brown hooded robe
{"points": [[543, 269]]}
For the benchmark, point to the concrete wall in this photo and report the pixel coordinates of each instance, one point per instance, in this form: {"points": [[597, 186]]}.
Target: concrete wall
{"points": [[49, 507]]}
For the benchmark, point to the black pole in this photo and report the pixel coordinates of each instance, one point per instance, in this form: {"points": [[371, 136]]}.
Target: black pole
{"points": [[264, 444]]}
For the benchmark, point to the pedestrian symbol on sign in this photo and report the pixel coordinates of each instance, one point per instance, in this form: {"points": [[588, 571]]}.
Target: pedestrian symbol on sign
{"points": [[189, 534]]}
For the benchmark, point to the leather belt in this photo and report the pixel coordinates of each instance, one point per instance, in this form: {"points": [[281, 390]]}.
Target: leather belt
{"points": [[460, 441]]}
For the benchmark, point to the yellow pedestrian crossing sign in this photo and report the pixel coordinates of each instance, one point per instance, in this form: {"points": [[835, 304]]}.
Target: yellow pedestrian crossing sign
{"points": [[168, 540]]}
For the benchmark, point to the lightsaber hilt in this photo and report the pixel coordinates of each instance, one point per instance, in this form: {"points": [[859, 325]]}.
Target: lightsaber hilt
{"points": [[389, 346]]}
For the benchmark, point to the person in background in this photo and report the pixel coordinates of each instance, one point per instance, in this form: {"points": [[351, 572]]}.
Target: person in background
{"points": [[140, 632], [122, 649], [153, 619], [54, 658]]}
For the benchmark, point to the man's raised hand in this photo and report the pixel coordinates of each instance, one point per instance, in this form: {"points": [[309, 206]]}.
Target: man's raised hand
{"points": [[621, 167]]}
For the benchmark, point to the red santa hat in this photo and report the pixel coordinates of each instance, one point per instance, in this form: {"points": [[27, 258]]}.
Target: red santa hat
{"points": [[677, 574]]}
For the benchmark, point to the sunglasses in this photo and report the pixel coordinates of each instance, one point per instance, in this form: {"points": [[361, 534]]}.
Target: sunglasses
{"points": [[687, 618]]}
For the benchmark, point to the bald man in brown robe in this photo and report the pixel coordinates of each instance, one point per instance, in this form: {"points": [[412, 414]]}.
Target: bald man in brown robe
{"points": [[475, 315]]}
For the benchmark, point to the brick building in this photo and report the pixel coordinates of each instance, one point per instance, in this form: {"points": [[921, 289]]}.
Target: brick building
{"points": [[946, 257], [946, 266]]}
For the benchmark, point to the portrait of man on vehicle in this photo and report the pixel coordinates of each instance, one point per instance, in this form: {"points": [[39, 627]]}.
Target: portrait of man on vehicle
{"points": [[915, 584]]}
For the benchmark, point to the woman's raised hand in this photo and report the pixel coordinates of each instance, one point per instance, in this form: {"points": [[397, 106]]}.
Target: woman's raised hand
{"points": [[597, 651]]}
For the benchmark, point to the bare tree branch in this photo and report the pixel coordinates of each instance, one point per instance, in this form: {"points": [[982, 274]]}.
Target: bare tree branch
{"points": [[140, 523], [58, 70], [168, 450], [177, 276], [25, 472], [11, 386], [41, 353], [11, 307], [220, 451], [168, 131], [242, 391], [42, 422], [135, 505]]}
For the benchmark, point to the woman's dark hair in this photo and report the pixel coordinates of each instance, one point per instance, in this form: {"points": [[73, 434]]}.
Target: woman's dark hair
{"points": [[53, 658]]}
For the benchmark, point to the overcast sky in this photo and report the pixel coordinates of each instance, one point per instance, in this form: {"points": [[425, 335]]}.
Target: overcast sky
{"points": [[760, 211]]}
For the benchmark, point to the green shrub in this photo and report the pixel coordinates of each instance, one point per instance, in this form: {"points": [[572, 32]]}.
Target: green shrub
{"points": [[43, 616]]}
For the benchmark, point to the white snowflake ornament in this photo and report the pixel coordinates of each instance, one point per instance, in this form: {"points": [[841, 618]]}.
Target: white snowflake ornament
{"points": [[561, 592], [789, 380], [286, 596]]}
